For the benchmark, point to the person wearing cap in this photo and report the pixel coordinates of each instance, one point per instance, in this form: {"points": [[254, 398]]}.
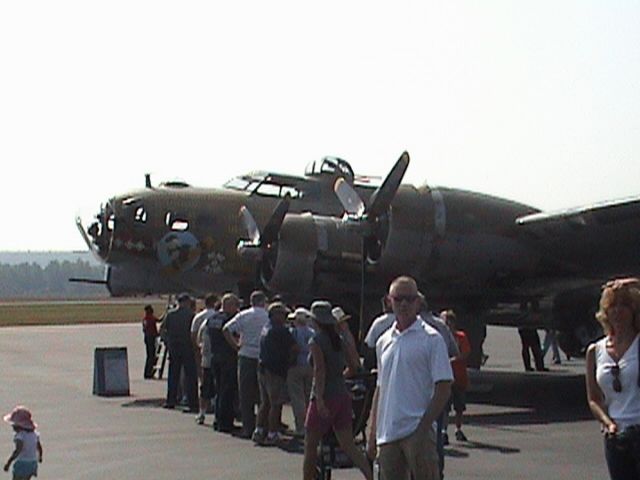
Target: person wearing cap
{"points": [[177, 324], [412, 388], [243, 334], [28, 450], [224, 363], [277, 351], [330, 406], [300, 375], [342, 324], [202, 346]]}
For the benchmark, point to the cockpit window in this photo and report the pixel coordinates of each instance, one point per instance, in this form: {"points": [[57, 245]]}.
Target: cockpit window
{"points": [[330, 165], [140, 215], [310, 169], [274, 190], [242, 184], [176, 222], [237, 184]]}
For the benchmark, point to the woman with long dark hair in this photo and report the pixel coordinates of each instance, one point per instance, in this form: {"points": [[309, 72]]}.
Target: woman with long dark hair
{"points": [[330, 406]]}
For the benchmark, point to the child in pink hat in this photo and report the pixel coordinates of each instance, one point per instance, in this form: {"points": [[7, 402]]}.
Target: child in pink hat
{"points": [[28, 451]]}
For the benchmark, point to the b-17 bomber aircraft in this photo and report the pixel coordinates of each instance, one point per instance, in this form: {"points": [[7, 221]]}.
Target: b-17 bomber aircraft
{"points": [[336, 235]]}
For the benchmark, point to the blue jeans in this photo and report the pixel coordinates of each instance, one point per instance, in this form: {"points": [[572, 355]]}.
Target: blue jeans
{"points": [[623, 458]]}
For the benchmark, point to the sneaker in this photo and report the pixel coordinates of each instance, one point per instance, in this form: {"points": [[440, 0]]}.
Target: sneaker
{"points": [[258, 437], [200, 419], [271, 439], [460, 436], [445, 439]]}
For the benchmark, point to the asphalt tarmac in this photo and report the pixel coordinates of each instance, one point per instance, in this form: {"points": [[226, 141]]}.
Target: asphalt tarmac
{"points": [[519, 425]]}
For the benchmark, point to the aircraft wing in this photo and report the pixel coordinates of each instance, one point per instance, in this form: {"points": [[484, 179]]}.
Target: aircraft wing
{"points": [[596, 241], [608, 213]]}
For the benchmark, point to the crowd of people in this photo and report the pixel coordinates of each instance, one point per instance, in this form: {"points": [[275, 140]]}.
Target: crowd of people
{"points": [[248, 362]]}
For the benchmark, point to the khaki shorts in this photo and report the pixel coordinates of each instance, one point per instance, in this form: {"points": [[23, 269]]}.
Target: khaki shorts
{"points": [[272, 386], [413, 457]]}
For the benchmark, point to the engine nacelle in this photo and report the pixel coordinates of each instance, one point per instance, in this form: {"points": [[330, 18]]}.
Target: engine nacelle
{"points": [[309, 244]]}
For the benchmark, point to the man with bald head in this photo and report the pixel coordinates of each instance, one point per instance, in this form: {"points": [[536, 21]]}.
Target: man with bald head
{"points": [[413, 387]]}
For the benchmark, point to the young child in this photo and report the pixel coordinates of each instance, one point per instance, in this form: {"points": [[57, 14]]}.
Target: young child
{"points": [[28, 451]]}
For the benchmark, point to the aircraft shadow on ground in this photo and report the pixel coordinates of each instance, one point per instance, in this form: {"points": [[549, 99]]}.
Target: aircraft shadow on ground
{"points": [[538, 398]]}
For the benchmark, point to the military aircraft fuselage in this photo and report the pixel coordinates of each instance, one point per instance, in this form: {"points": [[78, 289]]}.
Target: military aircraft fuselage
{"points": [[458, 244], [293, 236]]}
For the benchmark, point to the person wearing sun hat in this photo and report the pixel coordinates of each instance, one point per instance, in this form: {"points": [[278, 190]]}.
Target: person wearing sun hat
{"points": [[28, 449], [330, 406], [342, 320]]}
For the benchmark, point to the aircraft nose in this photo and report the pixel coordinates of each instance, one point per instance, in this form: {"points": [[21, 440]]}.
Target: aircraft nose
{"points": [[101, 230]]}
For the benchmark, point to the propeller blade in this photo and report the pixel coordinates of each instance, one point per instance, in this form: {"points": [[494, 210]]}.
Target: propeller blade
{"points": [[349, 198], [250, 224], [272, 229], [87, 240], [383, 196]]}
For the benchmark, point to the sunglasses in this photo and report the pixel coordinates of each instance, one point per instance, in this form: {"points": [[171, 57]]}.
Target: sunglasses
{"points": [[403, 298], [617, 384]]}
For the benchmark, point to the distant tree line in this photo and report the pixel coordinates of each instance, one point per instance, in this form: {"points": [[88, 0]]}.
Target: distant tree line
{"points": [[30, 280]]}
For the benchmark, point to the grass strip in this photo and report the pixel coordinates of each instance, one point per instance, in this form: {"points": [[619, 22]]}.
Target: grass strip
{"points": [[63, 313]]}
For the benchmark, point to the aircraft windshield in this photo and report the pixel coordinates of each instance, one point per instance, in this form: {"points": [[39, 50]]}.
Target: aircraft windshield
{"points": [[266, 185], [237, 184]]}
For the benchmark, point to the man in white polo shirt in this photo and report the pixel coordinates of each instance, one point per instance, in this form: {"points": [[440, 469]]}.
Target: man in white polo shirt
{"points": [[413, 386]]}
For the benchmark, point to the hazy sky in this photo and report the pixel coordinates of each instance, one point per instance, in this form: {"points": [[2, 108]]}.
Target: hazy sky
{"points": [[537, 101]]}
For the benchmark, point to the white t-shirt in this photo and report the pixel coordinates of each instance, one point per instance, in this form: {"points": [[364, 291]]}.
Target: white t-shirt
{"points": [[410, 363], [249, 324], [380, 325], [29, 444], [199, 319], [624, 406], [204, 343]]}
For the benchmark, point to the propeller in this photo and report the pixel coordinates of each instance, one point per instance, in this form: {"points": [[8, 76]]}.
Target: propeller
{"points": [[259, 247], [366, 220]]}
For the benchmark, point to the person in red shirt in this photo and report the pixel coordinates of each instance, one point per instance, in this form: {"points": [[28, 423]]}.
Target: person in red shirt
{"points": [[460, 375], [150, 331]]}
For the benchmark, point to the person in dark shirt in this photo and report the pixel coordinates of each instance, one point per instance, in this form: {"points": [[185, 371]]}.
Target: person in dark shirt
{"points": [[177, 324], [278, 349], [150, 331], [224, 363]]}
